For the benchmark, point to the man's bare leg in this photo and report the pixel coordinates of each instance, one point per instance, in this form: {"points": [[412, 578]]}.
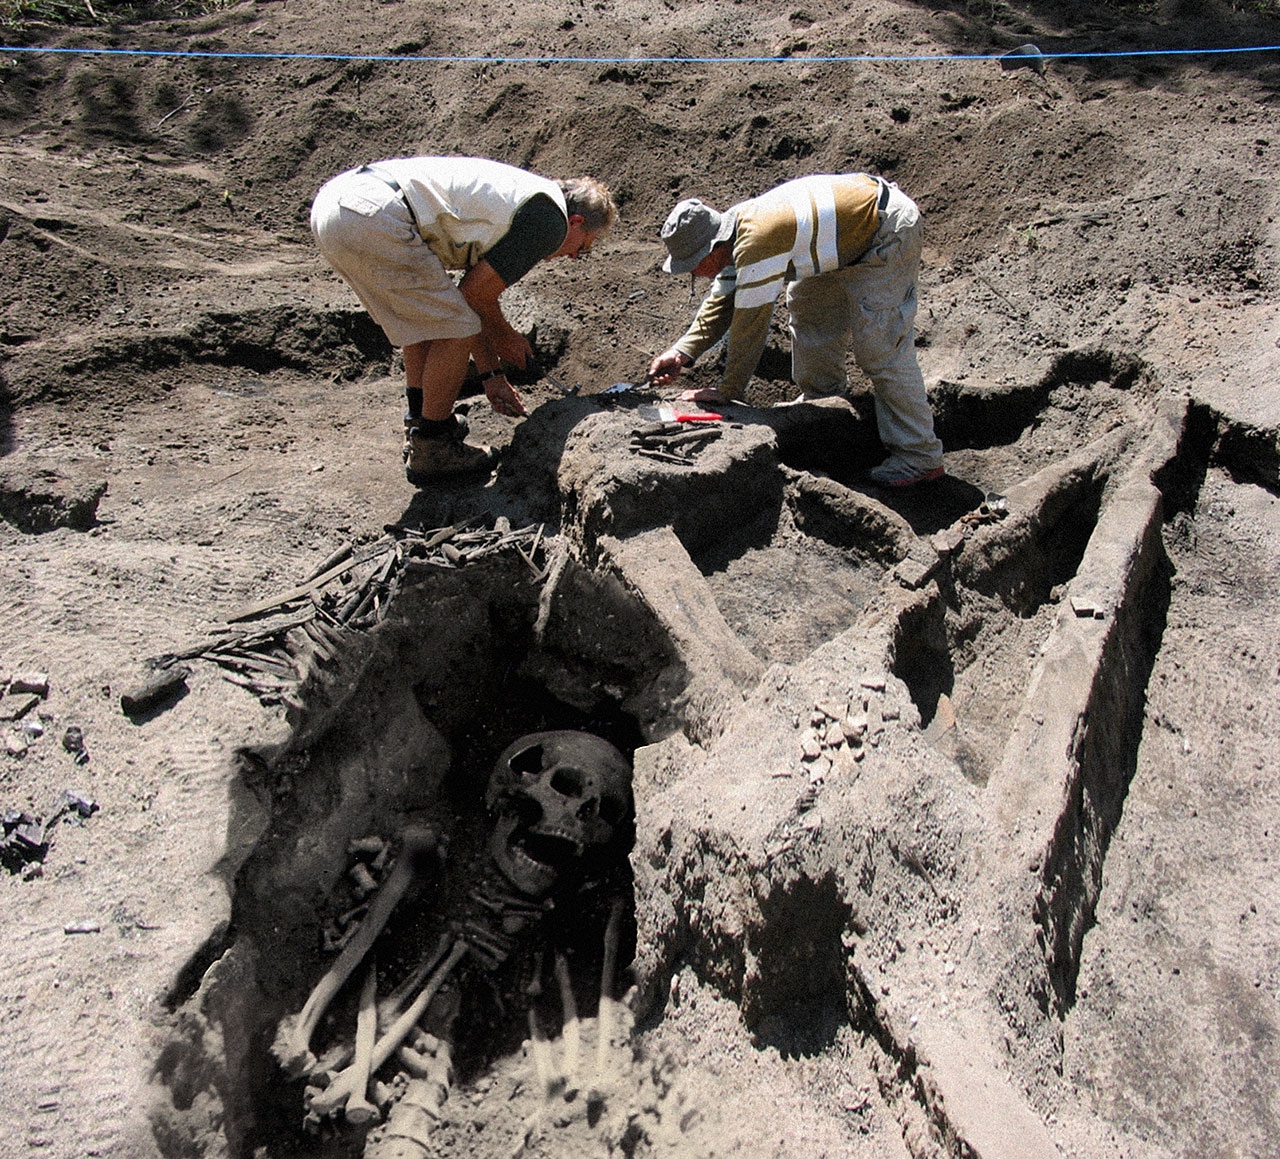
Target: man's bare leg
{"points": [[437, 368], [435, 448]]}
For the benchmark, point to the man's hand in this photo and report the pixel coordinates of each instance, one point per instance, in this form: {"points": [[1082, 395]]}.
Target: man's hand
{"points": [[703, 394], [667, 366], [503, 397]]}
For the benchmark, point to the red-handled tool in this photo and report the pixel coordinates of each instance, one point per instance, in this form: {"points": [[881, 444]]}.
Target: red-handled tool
{"points": [[667, 414]]}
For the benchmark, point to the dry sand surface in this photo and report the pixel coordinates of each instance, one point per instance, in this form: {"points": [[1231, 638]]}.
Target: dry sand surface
{"points": [[956, 809]]}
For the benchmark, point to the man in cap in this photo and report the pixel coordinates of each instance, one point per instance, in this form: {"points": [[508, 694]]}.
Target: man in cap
{"points": [[395, 229], [847, 249]]}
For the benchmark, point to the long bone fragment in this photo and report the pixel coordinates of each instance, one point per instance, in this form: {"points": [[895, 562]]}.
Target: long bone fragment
{"points": [[572, 1032], [608, 1012], [334, 1097], [539, 1048], [414, 1118], [292, 1045], [358, 1109], [391, 1006]]}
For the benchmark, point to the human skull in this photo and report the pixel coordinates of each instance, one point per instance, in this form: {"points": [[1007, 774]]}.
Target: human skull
{"points": [[561, 803]]}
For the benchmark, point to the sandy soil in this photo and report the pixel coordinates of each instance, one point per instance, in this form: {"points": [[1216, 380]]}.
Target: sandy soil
{"points": [[196, 414]]}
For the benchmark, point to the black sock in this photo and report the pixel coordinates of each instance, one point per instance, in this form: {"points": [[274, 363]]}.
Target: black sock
{"points": [[429, 427], [413, 398]]}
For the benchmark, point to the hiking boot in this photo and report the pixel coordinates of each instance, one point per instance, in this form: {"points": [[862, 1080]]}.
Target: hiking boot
{"points": [[895, 471], [440, 456]]}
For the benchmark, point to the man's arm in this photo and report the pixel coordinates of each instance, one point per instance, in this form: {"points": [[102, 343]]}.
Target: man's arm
{"points": [[747, 337], [706, 329], [481, 286], [537, 231]]}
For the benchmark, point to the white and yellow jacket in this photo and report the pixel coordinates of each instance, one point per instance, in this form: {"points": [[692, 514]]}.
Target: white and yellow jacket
{"points": [[809, 226]]}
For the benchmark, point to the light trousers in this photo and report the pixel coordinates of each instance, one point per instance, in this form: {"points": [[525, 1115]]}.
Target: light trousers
{"points": [[870, 307]]}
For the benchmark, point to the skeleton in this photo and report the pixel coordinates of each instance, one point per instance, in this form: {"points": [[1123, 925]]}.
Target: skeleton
{"points": [[562, 824]]}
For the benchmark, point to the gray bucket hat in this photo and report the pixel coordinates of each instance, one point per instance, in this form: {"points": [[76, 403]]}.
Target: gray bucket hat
{"points": [[690, 232]]}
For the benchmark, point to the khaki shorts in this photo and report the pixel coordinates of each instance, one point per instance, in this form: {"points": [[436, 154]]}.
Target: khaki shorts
{"points": [[365, 232]]}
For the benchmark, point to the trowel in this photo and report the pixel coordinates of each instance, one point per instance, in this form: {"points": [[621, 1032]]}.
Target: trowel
{"points": [[543, 372], [626, 387]]}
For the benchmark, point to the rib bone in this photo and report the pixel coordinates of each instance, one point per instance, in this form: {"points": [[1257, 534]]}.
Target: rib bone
{"points": [[292, 1046]]}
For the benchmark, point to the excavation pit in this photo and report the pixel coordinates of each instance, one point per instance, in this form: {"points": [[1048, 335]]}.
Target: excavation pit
{"points": [[404, 733], [878, 765]]}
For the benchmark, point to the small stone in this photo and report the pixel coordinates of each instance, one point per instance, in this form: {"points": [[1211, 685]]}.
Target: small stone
{"points": [[1086, 608], [845, 763], [88, 926], [948, 541], [874, 682], [15, 706], [833, 738], [912, 574], [73, 801], [944, 719], [162, 689], [35, 682], [830, 709], [15, 744], [854, 727], [810, 745]]}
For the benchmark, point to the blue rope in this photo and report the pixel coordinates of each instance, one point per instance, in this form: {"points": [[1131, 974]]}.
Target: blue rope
{"points": [[633, 59]]}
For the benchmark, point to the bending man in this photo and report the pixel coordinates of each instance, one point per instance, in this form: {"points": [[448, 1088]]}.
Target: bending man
{"points": [[847, 248], [394, 230]]}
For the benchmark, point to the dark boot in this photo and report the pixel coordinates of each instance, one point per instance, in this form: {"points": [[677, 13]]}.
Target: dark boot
{"points": [[442, 454]]}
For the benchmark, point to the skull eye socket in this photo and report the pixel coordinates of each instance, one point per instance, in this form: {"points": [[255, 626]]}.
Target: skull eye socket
{"points": [[527, 762], [568, 782], [611, 811]]}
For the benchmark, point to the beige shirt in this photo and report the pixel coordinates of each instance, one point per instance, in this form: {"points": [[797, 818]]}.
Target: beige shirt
{"points": [[464, 205]]}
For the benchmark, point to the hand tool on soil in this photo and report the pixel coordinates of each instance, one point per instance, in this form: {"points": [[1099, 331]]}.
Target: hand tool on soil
{"points": [[624, 387], [542, 372], [667, 414]]}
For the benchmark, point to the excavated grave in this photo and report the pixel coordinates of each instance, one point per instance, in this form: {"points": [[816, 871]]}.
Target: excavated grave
{"points": [[881, 744]]}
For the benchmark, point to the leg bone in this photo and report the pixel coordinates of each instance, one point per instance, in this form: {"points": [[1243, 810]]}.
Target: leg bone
{"points": [[608, 1013], [572, 1033], [334, 1097], [292, 1046], [392, 1006], [358, 1109]]}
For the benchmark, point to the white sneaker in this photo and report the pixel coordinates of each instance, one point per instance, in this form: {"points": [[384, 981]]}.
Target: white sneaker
{"points": [[895, 471]]}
